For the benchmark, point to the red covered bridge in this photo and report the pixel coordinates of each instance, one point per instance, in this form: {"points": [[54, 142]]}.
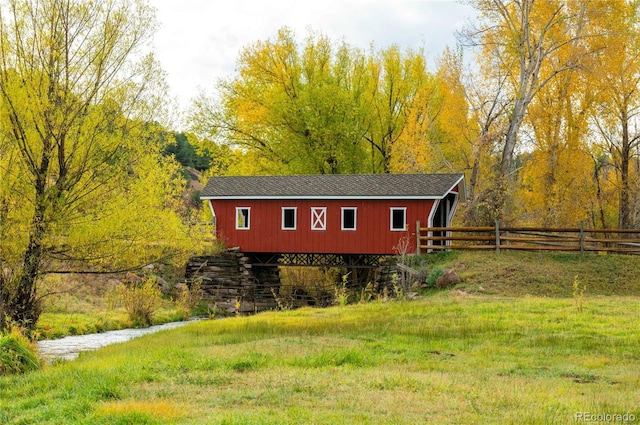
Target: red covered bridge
{"points": [[354, 222], [330, 214]]}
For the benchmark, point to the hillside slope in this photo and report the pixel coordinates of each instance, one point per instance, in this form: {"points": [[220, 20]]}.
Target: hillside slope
{"points": [[513, 273]]}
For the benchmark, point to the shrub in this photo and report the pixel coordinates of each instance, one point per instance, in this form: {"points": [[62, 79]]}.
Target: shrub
{"points": [[17, 354], [435, 273], [341, 295], [578, 293], [140, 301], [188, 298]]}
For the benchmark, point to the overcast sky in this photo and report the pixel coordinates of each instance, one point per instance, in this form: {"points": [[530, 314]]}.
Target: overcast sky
{"points": [[199, 40]]}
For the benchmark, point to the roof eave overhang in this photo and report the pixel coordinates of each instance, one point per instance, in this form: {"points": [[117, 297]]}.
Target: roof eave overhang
{"points": [[325, 198], [462, 188], [459, 187]]}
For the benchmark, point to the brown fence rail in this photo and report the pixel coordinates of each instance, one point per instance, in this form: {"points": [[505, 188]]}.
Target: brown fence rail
{"points": [[528, 239]]}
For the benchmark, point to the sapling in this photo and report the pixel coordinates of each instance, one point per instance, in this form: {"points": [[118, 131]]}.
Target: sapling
{"points": [[578, 293]]}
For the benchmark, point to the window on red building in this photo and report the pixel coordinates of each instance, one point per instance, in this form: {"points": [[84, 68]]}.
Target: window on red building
{"points": [[243, 218], [349, 218], [289, 218], [399, 219]]}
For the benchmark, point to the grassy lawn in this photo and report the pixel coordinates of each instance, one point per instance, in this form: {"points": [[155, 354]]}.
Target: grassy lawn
{"points": [[451, 357]]}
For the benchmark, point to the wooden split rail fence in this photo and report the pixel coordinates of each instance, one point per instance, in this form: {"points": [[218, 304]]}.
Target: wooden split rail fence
{"points": [[499, 238]]}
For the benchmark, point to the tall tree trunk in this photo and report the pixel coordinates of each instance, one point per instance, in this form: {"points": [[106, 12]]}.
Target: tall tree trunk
{"points": [[507, 163], [597, 167], [473, 180], [23, 307], [624, 221], [3, 324]]}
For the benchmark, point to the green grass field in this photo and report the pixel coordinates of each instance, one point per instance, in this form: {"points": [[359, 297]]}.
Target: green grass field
{"points": [[442, 359], [465, 356], [518, 274]]}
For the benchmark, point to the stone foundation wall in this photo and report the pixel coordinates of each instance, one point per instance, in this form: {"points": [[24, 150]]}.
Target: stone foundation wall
{"points": [[230, 281]]}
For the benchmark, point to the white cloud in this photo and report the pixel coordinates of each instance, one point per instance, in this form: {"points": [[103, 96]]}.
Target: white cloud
{"points": [[200, 40]]}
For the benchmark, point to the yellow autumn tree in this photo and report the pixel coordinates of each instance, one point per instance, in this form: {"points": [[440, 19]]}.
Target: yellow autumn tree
{"points": [[401, 104], [297, 106], [319, 106], [528, 44], [616, 80], [457, 132], [557, 184], [583, 164], [416, 148], [84, 185], [438, 136]]}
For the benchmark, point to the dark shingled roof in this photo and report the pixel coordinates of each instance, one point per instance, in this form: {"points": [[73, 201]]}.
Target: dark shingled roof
{"points": [[334, 186]]}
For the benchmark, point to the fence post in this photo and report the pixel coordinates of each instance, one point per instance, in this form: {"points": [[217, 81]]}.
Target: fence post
{"points": [[418, 237], [581, 238], [498, 236]]}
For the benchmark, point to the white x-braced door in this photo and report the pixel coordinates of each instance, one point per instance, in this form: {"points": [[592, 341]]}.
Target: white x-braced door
{"points": [[319, 218]]}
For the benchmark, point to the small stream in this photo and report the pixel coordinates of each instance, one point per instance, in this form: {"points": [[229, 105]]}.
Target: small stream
{"points": [[68, 348]]}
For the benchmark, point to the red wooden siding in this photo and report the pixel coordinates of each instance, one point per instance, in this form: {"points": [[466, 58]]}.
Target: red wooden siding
{"points": [[373, 234]]}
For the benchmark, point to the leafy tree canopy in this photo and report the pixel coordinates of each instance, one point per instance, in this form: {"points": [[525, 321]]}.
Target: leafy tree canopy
{"points": [[83, 184]]}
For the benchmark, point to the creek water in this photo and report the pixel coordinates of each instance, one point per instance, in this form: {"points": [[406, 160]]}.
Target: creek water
{"points": [[68, 348]]}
